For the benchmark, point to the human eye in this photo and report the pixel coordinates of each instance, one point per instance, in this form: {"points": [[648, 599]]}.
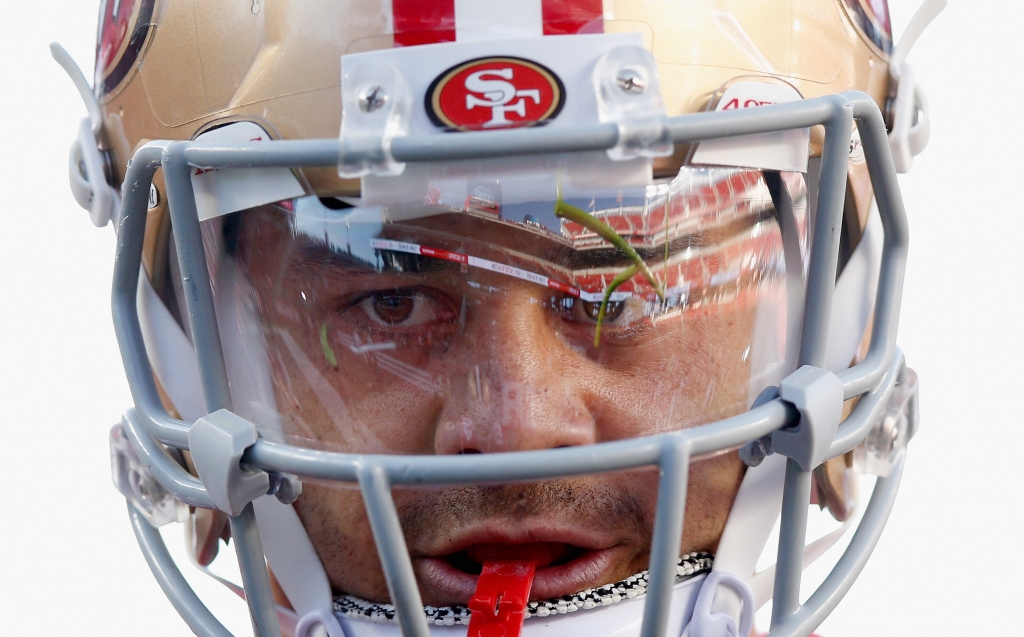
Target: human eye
{"points": [[590, 311], [405, 308], [623, 323]]}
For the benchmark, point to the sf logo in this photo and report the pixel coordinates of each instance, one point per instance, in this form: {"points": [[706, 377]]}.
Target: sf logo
{"points": [[494, 93], [492, 89]]}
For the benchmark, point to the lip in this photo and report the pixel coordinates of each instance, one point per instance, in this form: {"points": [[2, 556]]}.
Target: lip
{"points": [[450, 585]]}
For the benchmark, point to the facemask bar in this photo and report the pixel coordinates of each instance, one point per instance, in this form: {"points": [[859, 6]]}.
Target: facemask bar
{"points": [[817, 435]]}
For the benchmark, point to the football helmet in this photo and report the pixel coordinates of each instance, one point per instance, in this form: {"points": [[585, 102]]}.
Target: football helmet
{"points": [[583, 299]]}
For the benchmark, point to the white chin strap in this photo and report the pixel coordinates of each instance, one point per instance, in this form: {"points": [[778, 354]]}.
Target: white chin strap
{"points": [[288, 549], [911, 124], [854, 298], [735, 589]]}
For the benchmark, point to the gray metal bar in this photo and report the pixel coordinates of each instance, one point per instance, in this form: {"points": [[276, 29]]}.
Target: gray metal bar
{"points": [[882, 171], [198, 617], [821, 278], [394, 555], [732, 123], [535, 141], [796, 497], [869, 409], [253, 566], [788, 228], [127, 264], [167, 472], [849, 566], [522, 466], [813, 343], [213, 373], [188, 241], [668, 529]]}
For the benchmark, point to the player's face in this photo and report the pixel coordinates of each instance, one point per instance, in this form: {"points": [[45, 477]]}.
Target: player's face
{"points": [[385, 351]]}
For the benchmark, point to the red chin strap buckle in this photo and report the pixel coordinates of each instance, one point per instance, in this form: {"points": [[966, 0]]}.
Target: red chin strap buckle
{"points": [[499, 603]]}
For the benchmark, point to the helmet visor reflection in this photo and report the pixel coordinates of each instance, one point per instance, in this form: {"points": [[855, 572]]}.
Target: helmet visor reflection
{"points": [[468, 323]]}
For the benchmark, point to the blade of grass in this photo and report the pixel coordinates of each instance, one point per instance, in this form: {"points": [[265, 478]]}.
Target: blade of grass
{"points": [[590, 222], [622, 277]]}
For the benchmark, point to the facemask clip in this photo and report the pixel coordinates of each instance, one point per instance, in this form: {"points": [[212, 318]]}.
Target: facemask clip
{"points": [[629, 96], [888, 439], [217, 442], [137, 484], [376, 105], [818, 395]]}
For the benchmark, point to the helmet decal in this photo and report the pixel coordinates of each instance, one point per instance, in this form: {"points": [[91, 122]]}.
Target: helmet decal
{"points": [[872, 20], [494, 93], [123, 29]]}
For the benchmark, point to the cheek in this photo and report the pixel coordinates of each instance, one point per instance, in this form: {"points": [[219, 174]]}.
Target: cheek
{"points": [[713, 484], [353, 407], [336, 523], [694, 373]]}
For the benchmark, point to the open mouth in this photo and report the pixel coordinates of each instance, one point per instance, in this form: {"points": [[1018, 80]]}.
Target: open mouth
{"points": [[561, 568], [542, 554]]}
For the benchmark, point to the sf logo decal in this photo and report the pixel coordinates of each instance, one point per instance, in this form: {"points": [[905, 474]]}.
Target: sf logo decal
{"points": [[494, 93], [498, 95]]}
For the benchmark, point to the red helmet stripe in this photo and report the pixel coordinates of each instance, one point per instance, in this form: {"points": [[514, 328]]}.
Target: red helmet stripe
{"points": [[419, 22], [572, 16]]}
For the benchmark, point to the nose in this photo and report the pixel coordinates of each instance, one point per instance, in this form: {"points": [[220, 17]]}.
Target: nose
{"points": [[518, 386]]}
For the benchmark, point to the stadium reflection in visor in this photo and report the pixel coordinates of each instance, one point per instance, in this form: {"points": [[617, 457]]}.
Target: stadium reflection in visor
{"points": [[440, 329]]}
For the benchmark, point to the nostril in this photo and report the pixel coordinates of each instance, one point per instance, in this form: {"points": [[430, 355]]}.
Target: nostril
{"points": [[468, 451]]}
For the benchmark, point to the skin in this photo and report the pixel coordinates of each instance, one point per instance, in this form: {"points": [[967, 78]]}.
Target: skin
{"points": [[502, 366]]}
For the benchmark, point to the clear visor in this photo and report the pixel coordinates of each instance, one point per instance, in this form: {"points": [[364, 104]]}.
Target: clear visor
{"points": [[487, 311]]}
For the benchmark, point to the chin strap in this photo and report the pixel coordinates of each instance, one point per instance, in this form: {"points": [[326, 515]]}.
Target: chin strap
{"points": [[297, 568], [87, 164], [706, 623], [319, 623], [288, 549], [755, 510], [911, 125]]}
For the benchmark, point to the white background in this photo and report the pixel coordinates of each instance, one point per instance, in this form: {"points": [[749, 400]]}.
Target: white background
{"points": [[949, 562]]}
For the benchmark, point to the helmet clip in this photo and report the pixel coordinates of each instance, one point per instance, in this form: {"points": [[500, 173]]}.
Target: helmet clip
{"points": [[217, 442], [818, 395], [376, 106], [909, 110], [138, 484], [888, 438], [629, 96]]}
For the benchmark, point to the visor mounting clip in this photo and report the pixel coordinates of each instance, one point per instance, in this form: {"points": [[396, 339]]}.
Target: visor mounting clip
{"points": [[628, 95], [376, 107]]}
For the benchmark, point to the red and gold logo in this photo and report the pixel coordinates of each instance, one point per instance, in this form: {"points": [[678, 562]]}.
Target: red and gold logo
{"points": [[494, 93]]}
